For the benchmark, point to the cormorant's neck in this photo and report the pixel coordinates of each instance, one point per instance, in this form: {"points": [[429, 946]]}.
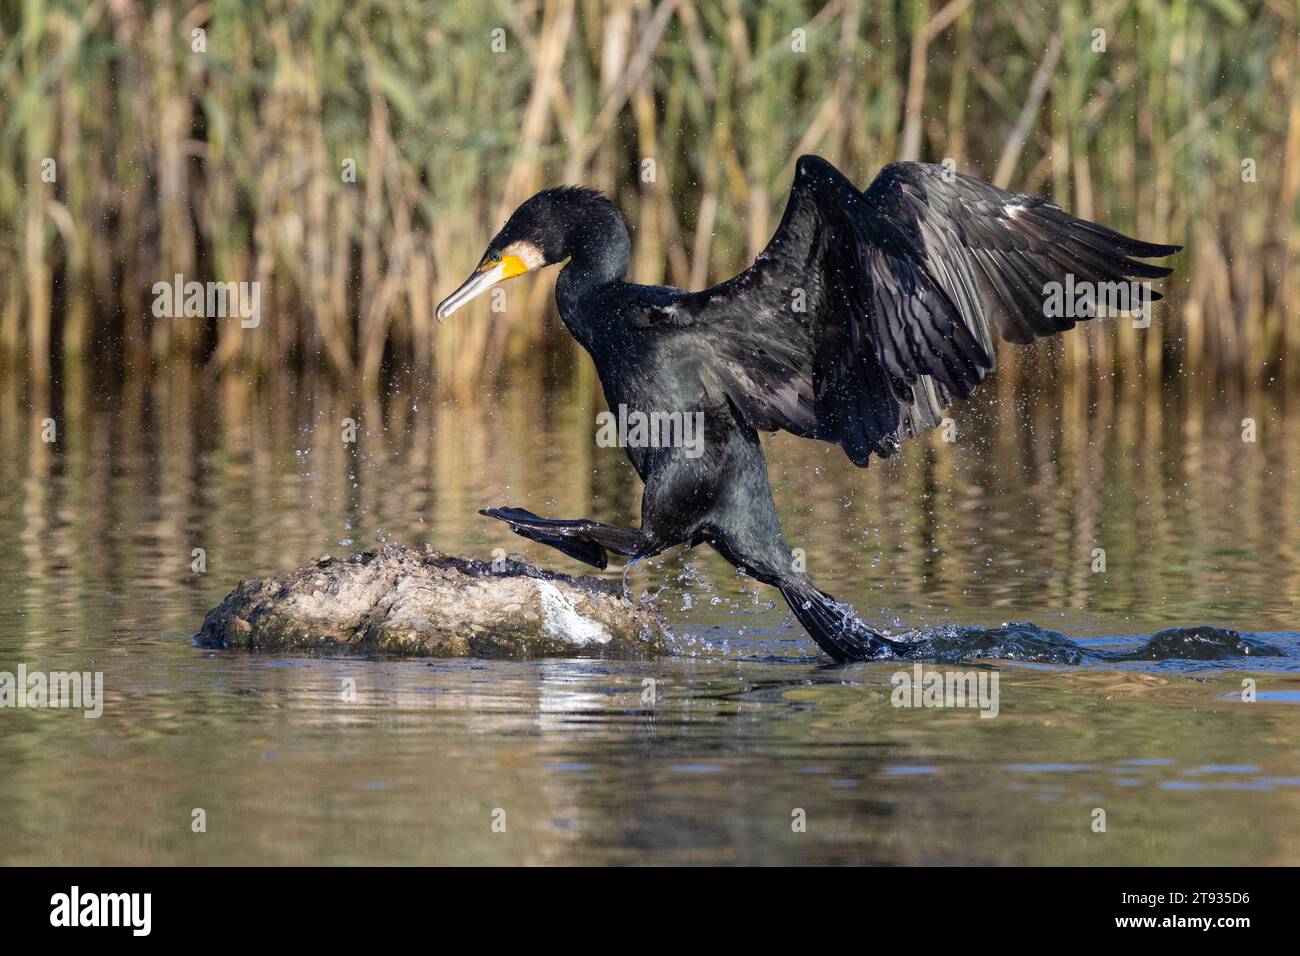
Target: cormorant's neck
{"points": [[599, 250]]}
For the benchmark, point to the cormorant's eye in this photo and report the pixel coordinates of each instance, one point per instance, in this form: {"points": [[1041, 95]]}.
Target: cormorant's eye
{"points": [[494, 255]]}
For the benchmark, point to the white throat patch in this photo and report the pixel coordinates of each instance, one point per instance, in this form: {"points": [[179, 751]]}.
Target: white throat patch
{"points": [[528, 254]]}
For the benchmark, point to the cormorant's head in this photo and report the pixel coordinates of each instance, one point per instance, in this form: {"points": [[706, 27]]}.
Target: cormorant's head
{"points": [[548, 228]]}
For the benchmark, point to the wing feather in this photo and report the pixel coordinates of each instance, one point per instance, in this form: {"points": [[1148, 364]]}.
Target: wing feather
{"points": [[869, 313]]}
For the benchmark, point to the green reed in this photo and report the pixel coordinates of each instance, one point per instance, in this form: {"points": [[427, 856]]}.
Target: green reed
{"points": [[229, 163]]}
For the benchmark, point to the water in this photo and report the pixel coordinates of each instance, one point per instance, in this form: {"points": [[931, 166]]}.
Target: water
{"points": [[743, 733]]}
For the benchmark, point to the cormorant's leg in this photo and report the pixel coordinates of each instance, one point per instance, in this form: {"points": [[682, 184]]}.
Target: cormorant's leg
{"points": [[579, 538], [744, 529], [834, 626]]}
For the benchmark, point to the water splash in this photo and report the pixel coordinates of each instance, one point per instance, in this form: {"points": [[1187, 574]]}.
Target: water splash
{"points": [[1025, 641]]}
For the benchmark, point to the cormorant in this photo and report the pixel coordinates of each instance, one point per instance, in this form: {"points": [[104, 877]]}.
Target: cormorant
{"points": [[866, 315]]}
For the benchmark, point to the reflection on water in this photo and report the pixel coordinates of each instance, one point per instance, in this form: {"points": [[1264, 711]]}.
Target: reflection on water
{"points": [[1197, 527]]}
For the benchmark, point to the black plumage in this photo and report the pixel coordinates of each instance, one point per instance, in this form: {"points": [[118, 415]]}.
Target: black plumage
{"points": [[867, 314]]}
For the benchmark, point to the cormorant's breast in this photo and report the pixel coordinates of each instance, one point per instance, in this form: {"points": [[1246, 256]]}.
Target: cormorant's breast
{"points": [[644, 371]]}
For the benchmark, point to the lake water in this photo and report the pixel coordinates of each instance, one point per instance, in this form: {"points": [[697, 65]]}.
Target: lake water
{"points": [[753, 750]]}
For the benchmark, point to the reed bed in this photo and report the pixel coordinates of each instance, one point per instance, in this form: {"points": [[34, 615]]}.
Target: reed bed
{"points": [[225, 154]]}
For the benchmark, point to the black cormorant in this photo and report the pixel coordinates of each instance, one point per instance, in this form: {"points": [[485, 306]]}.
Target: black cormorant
{"points": [[865, 316]]}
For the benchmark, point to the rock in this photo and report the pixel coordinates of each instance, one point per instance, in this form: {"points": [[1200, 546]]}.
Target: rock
{"points": [[402, 601]]}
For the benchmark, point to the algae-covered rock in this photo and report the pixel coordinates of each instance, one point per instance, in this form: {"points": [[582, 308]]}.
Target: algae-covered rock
{"points": [[402, 601]]}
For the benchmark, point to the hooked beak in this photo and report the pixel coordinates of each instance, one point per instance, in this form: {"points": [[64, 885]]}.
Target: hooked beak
{"points": [[482, 279]]}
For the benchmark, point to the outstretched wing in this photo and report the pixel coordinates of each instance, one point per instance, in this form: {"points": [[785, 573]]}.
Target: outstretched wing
{"points": [[869, 313]]}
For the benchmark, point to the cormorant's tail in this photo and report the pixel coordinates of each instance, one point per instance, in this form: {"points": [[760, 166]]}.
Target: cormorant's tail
{"points": [[579, 538], [835, 628]]}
